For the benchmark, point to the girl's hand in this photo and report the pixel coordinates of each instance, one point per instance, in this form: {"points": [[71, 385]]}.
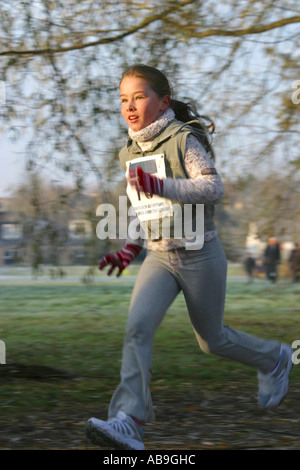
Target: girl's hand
{"points": [[147, 183], [121, 259]]}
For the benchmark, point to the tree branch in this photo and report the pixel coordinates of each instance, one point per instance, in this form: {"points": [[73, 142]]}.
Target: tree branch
{"points": [[107, 40], [254, 29], [246, 31]]}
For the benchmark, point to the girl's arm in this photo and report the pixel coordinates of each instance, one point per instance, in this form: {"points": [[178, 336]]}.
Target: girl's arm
{"points": [[204, 185]]}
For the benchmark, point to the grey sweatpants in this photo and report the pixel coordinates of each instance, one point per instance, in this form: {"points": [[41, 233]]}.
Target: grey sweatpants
{"points": [[201, 276]]}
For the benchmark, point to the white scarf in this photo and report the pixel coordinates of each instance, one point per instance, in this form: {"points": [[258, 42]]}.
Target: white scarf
{"points": [[149, 132]]}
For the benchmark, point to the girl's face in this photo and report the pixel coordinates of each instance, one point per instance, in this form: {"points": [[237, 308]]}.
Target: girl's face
{"points": [[140, 105]]}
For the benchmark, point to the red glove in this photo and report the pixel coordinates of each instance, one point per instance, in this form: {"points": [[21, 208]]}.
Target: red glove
{"points": [[121, 259], [146, 182]]}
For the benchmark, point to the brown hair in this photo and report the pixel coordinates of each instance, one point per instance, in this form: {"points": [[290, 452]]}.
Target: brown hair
{"points": [[184, 112]]}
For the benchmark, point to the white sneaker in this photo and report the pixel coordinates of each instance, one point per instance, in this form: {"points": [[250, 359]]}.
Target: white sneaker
{"points": [[273, 387], [120, 432]]}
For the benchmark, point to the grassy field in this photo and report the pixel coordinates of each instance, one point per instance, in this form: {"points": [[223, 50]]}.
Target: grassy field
{"points": [[64, 338]]}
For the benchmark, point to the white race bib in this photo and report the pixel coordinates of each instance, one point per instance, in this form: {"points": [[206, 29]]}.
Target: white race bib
{"points": [[145, 206]]}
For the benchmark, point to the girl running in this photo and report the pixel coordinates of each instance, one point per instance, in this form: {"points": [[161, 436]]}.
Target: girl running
{"points": [[169, 162]]}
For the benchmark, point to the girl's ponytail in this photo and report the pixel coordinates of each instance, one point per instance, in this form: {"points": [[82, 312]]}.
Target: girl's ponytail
{"points": [[187, 112]]}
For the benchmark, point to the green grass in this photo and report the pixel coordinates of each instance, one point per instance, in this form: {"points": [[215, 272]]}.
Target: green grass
{"points": [[78, 328]]}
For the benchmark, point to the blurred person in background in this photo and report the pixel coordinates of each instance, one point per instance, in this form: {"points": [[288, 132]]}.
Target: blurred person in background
{"points": [[272, 259], [294, 261]]}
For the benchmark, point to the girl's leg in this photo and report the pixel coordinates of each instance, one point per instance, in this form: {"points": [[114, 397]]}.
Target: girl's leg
{"points": [[203, 281], [154, 290]]}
